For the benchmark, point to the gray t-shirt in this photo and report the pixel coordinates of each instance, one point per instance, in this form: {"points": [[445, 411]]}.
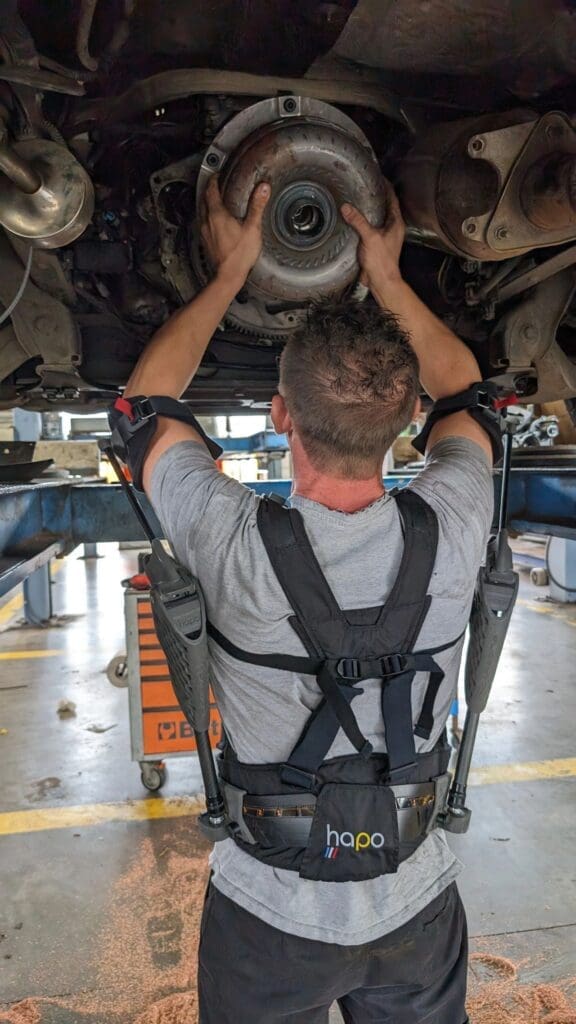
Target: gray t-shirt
{"points": [[210, 520]]}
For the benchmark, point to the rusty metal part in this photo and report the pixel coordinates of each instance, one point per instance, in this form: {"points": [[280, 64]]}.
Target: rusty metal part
{"points": [[473, 186], [526, 339], [548, 192], [443, 190], [85, 19], [509, 228], [174, 256], [528, 45], [60, 208], [314, 158], [169, 86]]}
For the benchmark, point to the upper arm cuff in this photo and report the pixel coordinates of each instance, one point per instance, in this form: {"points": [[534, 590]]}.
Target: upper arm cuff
{"points": [[481, 402]]}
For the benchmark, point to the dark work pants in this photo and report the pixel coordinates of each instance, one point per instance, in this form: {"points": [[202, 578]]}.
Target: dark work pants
{"points": [[251, 973]]}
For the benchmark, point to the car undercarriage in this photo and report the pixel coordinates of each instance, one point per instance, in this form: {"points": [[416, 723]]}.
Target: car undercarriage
{"points": [[114, 114]]}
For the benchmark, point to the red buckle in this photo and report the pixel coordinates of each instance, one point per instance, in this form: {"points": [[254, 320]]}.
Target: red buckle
{"points": [[124, 406], [503, 403]]}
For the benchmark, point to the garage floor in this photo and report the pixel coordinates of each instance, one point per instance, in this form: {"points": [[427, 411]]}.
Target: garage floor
{"points": [[102, 883]]}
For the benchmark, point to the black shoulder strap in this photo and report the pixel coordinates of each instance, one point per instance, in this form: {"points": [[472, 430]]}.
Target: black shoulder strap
{"points": [[406, 606], [308, 592], [296, 567]]}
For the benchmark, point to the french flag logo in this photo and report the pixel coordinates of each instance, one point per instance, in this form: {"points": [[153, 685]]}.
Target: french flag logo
{"points": [[331, 852]]}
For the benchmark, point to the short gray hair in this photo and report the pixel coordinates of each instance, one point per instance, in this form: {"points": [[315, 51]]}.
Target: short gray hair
{"points": [[349, 377]]}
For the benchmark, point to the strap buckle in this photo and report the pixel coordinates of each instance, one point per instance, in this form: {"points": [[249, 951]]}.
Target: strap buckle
{"points": [[393, 664], [484, 400], [349, 668], [143, 410]]}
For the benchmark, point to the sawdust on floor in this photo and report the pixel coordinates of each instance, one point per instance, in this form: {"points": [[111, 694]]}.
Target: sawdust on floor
{"points": [[497, 995], [147, 951]]}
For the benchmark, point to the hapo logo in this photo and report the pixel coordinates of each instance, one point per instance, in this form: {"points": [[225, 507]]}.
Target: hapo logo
{"points": [[353, 841]]}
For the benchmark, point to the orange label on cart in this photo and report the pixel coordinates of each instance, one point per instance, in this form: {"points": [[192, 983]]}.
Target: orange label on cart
{"points": [[165, 729]]}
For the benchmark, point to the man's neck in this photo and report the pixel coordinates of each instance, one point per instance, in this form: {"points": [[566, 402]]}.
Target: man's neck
{"points": [[337, 493]]}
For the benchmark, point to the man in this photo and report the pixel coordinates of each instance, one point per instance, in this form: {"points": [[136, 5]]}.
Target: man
{"points": [[279, 944]]}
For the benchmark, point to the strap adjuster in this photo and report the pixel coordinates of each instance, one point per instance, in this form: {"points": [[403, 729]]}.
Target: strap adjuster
{"points": [[349, 668], [393, 664], [484, 400], [143, 410]]}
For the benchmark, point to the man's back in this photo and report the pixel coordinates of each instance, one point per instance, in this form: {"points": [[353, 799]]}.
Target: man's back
{"points": [[211, 521]]}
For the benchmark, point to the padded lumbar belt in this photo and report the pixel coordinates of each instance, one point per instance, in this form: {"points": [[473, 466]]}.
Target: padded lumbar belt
{"points": [[287, 821], [484, 406], [354, 799], [133, 425]]}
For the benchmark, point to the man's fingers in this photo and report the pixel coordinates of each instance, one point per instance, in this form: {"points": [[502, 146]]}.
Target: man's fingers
{"points": [[212, 196], [356, 220], [394, 212], [257, 204]]}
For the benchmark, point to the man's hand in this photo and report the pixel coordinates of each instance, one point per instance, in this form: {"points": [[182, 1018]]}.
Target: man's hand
{"points": [[379, 248], [233, 246], [447, 366]]}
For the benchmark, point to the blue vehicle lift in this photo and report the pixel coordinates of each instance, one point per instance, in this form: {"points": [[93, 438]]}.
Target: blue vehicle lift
{"points": [[41, 521]]}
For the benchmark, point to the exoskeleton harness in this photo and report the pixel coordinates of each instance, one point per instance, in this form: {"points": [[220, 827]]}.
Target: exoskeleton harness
{"points": [[355, 817], [342, 818]]}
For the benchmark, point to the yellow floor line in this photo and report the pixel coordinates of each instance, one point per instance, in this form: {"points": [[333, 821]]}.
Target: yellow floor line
{"points": [[10, 608], [548, 609], [154, 808], [528, 771], [16, 655], [96, 814]]}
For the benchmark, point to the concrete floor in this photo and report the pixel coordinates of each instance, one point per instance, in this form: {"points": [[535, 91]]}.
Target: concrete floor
{"points": [[99, 918]]}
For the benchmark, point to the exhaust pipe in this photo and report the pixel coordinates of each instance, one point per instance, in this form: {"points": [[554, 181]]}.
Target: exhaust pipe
{"points": [[46, 196]]}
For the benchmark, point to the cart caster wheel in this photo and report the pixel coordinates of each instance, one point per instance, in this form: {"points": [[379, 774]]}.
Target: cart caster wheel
{"points": [[117, 671], [153, 776], [539, 577]]}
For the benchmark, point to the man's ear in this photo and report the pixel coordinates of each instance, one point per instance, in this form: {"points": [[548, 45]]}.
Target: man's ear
{"points": [[280, 416]]}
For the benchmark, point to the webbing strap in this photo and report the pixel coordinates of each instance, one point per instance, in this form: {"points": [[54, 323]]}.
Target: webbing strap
{"points": [[407, 604], [319, 734], [481, 403], [308, 592], [287, 662], [295, 564], [425, 722], [332, 691], [133, 425], [396, 700]]}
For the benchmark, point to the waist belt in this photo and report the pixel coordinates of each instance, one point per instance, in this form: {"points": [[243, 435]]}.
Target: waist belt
{"points": [[286, 820]]}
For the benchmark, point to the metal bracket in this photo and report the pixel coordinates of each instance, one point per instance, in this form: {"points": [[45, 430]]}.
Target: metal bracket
{"points": [[512, 151]]}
